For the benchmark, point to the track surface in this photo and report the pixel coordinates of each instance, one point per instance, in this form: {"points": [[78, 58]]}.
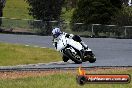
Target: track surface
{"points": [[109, 52]]}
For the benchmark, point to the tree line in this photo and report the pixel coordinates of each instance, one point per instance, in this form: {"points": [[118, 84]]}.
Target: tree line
{"points": [[116, 12]]}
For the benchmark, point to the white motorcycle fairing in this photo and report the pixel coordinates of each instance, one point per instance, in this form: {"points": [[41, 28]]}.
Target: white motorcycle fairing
{"points": [[73, 50], [64, 41]]}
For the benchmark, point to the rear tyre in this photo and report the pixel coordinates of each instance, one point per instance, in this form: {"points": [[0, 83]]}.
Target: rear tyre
{"points": [[89, 56], [92, 59], [77, 60]]}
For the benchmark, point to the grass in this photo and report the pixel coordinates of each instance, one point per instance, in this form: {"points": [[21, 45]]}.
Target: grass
{"points": [[19, 9], [16, 9], [62, 80], [19, 54]]}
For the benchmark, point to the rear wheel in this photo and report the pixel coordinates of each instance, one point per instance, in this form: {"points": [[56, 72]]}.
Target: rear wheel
{"points": [[92, 59], [74, 57], [89, 56]]}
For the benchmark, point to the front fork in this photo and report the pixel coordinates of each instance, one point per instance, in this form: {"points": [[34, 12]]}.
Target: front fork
{"points": [[73, 50]]}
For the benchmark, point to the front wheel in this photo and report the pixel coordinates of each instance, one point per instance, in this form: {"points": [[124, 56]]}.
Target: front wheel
{"points": [[65, 58], [74, 57]]}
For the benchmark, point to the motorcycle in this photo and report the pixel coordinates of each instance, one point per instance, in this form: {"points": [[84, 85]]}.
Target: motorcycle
{"points": [[72, 49]]}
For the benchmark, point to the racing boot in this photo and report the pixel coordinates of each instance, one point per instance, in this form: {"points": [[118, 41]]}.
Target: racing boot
{"points": [[84, 45]]}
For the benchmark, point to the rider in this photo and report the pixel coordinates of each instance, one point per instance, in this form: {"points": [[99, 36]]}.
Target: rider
{"points": [[56, 32]]}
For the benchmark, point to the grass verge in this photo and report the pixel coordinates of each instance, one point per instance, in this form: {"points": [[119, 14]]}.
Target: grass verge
{"points": [[62, 79], [11, 54], [16, 9]]}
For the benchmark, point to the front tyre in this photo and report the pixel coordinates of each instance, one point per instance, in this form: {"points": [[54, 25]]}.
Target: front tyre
{"points": [[65, 58], [76, 58]]}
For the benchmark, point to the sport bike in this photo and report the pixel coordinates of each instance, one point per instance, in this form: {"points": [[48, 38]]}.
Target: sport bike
{"points": [[72, 49]]}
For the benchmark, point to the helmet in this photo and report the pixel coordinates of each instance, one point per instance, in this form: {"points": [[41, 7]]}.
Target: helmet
{"points": [[56, 32]]}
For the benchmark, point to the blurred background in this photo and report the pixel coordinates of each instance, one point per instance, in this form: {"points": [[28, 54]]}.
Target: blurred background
{"points": [[87, 18]]}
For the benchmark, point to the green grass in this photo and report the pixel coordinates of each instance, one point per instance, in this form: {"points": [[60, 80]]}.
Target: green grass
{"points": [[59, 80], [16, 9], [19, 9], [19, 54]]}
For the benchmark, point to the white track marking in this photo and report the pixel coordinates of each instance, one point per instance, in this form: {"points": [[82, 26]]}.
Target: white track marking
{"points": [[35, 46]]}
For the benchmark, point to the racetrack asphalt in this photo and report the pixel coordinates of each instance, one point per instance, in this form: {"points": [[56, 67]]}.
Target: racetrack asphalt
{"points": [[108, 51]]}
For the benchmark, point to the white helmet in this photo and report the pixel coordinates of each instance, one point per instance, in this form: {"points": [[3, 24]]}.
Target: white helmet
{"points": [[56, 31]]}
